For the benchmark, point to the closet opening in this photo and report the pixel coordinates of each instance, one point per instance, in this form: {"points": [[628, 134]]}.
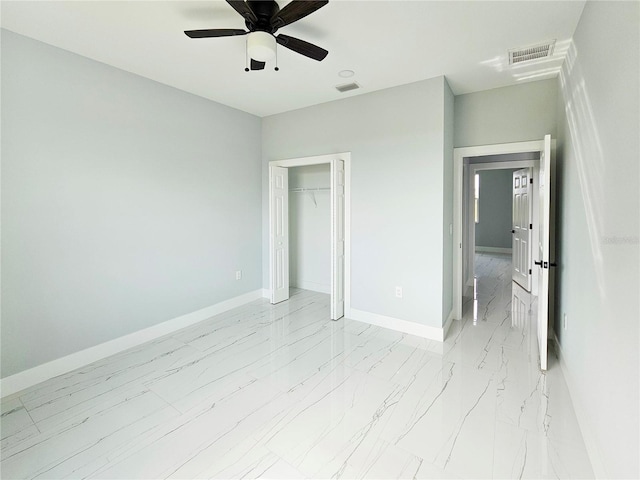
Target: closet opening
{"points": [[309, 227]]}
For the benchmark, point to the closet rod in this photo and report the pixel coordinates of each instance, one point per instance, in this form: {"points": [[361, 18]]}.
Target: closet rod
{"points": [[302, 190]]}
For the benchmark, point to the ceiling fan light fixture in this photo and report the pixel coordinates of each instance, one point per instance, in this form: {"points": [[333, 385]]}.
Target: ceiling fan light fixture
{"points": [[261, 46]]}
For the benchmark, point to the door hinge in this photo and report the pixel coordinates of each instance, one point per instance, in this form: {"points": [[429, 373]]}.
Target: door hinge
{"points": [[531, 226], [530, 272], [531, 181]]}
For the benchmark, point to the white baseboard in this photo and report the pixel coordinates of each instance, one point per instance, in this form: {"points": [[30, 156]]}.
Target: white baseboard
{"points": [[266, 293], [404, 326], [312, 286], [60, 366], [447, 325], [590, 440], [494, 250]]}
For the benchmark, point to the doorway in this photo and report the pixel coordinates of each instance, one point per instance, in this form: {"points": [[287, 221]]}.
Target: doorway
{"points": [[495, 213], [543, 249], [338, 191]]}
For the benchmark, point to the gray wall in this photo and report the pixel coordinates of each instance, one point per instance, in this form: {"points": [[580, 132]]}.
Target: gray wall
{"points": [[125, 203], [599, 247], [503, 115], [495, 212], [396, 140]]}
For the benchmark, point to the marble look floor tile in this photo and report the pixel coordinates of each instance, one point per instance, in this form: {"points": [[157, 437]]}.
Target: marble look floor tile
{"points": [[520, 453], [280, 470], [448, 423], [63, 452], [333, 421], [250, 460], [247, 459], [281, 391], [185, 446], [375, 458], [16, 424], [80, 390]]}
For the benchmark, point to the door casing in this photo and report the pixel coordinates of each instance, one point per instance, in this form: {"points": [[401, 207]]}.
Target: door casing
{"points": [[459, 154]]}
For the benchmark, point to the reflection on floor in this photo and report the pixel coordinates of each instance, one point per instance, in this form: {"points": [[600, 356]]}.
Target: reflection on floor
{"points": [[283, 392]]}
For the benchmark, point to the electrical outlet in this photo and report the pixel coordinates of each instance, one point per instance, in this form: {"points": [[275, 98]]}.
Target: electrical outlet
{"points": [[238, 274], [399, 292], [564, 321]]}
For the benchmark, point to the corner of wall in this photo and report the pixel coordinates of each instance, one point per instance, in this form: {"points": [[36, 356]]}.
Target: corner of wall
{"points": [[447, 201]]}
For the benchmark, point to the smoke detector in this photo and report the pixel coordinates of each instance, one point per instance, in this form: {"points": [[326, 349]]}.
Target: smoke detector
{"points": [[532, 52]]}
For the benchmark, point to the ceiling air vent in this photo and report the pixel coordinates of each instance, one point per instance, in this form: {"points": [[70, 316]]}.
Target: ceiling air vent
{"points": [[347, 86], [534, 52]]}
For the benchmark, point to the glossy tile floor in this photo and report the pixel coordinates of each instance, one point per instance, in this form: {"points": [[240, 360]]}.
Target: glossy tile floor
{"points": [[283, 392]]}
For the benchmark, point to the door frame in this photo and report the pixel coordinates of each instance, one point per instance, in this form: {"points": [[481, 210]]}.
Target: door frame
{"points": [[459, 154], [318, 160]]}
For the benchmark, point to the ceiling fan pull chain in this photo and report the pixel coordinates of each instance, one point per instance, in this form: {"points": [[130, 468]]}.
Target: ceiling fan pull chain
{"points": [[246, 55], [276, 69]]}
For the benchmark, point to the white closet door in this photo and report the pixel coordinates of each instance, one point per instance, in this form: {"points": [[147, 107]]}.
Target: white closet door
{"points": [[279, 233], [337, 239]]}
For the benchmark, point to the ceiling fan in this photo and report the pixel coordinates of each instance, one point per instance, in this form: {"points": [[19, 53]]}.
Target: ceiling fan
{"points": [[263, 18]]}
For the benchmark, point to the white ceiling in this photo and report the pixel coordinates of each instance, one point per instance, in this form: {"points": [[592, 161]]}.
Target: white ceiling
{"points": [[386, 43]]}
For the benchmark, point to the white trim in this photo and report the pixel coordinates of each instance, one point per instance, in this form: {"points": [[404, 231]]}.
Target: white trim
{"points": [[266, 293], [447, 325], [504, 165], [505, 250], [347, 232], [412, 328], [318, 160], [500, 149], [459, 155], [304, 161], [312, 286], [60, 366], [590, 440]]}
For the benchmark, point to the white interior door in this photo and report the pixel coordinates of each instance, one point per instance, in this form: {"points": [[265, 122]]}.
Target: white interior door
{"points": [[522, 226], [279, 233], [545, 231], [337, 238]]}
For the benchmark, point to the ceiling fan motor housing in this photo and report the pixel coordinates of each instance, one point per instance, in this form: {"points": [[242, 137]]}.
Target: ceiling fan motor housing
{"points": [[264, 11]]}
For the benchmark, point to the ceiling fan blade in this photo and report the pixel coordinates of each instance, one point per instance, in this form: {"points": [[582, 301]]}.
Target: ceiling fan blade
{"points": [[296, 10], [215, 32], [300, 46], [244, 9], [256, 65]]}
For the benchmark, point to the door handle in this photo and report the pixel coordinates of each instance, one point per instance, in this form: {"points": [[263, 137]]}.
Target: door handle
{"points": [[545, 264]]}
